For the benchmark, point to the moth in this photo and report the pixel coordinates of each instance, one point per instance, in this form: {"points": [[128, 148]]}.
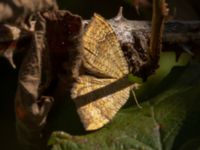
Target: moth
{"points": [[105, 88]]}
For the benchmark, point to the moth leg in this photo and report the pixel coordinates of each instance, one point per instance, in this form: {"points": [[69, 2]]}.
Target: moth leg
{"points": [[135, 87]]}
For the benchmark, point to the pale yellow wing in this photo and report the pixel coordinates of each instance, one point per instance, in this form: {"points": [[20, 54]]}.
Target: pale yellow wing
{"points": [[98, 100], [102, 54]]}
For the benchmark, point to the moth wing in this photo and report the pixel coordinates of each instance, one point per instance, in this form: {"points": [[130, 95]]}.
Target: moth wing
{"points": [[101, 50], [97, 108]]}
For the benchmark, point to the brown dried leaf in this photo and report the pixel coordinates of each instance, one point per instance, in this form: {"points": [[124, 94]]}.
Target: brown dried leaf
{"points": [[34, 78], [62, 33], [11, 41], [36, 74]]}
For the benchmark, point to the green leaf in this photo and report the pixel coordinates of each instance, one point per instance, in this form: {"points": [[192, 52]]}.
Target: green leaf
{"points": [[159, 125]]}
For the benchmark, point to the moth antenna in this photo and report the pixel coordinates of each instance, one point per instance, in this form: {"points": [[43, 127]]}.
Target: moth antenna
{"points": [[136, 101]]}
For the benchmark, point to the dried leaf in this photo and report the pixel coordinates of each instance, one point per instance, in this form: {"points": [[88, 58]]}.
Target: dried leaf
{"points": [[62, 34], [10, 38], [31, 105], [33, 102]]}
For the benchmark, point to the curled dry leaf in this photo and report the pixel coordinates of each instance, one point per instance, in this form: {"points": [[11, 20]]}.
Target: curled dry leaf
{"points": [[34, 77], [62, 35], [12, 41], [32, 101]]}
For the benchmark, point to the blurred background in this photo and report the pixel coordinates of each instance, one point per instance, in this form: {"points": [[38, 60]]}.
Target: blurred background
{"points": [[180, 9]]}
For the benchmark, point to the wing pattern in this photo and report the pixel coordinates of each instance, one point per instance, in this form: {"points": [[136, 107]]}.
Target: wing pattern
{"points": [[103, 57]]}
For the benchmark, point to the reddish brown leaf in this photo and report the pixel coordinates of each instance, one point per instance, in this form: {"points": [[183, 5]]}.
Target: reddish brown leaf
{"points": [[62, 32]]}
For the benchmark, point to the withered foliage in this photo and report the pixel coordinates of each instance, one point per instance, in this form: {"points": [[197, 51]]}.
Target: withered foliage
{"points": [[51, 47], [13, 40], [62, 34]]}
